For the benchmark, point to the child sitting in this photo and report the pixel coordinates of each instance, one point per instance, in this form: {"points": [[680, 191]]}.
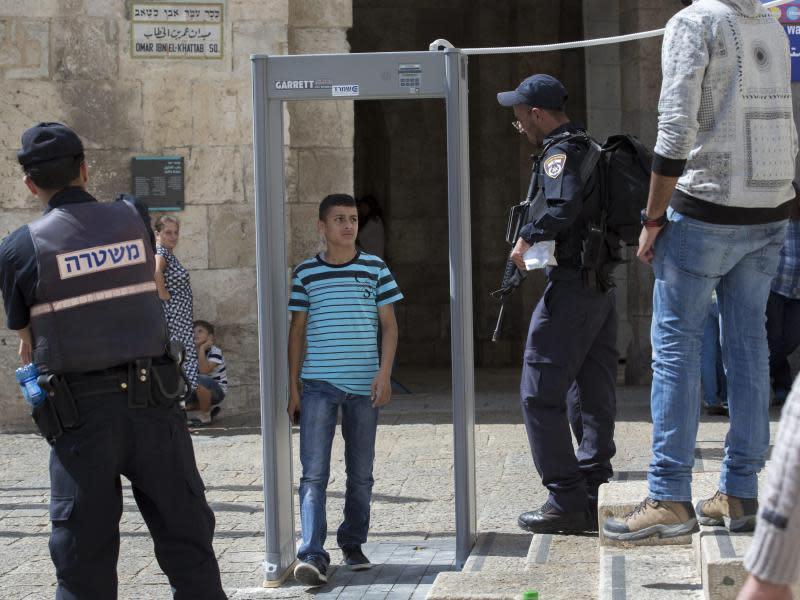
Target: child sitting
{"points": [[212, 378]]}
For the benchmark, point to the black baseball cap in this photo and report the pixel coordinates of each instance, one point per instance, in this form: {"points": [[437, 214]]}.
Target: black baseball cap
{"points": [[48, 141], [541, 91]]}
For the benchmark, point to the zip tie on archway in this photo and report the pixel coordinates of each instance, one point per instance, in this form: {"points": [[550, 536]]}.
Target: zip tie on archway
{"points": [[619, 39]]}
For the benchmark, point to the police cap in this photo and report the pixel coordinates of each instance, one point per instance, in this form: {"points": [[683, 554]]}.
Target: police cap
{"points": [[48, 141], [541, 91]]}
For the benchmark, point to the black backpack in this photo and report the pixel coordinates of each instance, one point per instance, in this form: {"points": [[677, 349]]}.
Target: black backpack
{"points": [[625, 166]]}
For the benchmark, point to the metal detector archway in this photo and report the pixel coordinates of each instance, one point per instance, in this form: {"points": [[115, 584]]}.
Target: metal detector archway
{"points": [[369, 76]]}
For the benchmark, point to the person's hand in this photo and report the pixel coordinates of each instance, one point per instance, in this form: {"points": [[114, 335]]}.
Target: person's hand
{"points": [[25, 352], [518, 253], [293, 409], [381, 390], [206, 346], [646, 240], [756, 589], [164, 296]]}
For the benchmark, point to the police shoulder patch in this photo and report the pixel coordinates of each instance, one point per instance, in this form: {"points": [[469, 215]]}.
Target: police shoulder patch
{"points": [[554, 165]]}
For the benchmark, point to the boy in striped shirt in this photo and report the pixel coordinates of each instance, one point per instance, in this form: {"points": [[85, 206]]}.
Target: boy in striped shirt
{"points": [[212, 379], [340, 300]]}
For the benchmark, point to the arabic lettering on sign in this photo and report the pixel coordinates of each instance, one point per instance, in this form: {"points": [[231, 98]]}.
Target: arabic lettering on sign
{"points": [[177, 33]]}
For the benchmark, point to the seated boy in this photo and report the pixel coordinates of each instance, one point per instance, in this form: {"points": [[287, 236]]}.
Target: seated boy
{"points": [[212, 378], [338, 299]]}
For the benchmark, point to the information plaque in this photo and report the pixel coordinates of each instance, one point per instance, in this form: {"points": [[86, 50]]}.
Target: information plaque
{"points": [[158, 181]]}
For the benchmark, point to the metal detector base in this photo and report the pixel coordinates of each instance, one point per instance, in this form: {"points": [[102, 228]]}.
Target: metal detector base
{"points": [[276, 583]]}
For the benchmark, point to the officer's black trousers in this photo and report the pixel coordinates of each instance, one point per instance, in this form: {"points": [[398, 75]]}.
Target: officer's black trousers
{"points": [[571, 359], [152, 448]]}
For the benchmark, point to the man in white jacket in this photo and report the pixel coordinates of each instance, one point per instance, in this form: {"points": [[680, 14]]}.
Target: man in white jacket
{"points": [[716, 219]]}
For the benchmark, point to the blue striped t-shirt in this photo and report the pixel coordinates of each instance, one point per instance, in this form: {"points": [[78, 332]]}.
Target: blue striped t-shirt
{"points": [[342, 330]]}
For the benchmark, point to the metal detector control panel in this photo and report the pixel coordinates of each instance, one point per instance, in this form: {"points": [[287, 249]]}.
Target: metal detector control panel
{"points": [[357, 76]]}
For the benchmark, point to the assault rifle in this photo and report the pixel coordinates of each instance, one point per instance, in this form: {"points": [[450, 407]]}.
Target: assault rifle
{"points": [[518, 216]]}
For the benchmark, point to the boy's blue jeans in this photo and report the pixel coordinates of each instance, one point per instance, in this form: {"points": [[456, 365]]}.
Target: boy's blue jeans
{"points": [[319, 408], [691, 259]]}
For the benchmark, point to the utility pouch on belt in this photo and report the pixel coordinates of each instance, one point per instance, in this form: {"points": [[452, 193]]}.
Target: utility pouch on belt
{"points": [[169, 384], [58, 411], [46, 420]]}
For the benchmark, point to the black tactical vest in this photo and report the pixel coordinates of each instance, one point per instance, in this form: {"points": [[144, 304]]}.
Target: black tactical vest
{"points": [[96, 300]]}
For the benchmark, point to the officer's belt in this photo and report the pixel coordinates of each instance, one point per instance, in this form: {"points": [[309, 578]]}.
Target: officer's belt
{"points": [[113, 293]]}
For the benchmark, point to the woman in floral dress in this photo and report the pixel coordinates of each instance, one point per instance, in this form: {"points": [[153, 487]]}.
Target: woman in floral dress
{"points": [[175, 291]]}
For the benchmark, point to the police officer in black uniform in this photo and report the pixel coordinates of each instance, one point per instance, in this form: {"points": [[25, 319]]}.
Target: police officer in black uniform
{"points": [[570, 362], [78, 289]]}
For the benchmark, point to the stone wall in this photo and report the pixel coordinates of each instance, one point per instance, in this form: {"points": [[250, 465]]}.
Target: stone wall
{"points": [[69, 61]]}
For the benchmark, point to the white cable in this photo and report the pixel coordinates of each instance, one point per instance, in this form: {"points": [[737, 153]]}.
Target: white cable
{"points": [[619, 39]]}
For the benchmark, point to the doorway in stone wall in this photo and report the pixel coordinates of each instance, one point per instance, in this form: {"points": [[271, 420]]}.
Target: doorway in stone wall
{"points": [[400, 158]]}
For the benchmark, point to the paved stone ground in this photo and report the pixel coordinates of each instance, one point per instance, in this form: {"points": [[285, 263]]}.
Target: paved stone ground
{"points": [[412, 530]]}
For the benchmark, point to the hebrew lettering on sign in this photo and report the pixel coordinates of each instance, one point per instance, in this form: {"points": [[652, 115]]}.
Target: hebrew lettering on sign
{"points": [[87, 261]]}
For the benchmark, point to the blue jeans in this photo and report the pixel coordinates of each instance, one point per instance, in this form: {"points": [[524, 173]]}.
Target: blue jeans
{"points": [[319, 409], [691, 259], [712, 373]]}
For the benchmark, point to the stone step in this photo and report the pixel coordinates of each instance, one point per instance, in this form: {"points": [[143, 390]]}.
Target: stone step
{"points": [[618, 498], [654, 573], [555, 581], [720, 559], [504, 565]]}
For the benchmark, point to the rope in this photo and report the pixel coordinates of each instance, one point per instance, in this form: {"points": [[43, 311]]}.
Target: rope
{"points": [[619, 39]]}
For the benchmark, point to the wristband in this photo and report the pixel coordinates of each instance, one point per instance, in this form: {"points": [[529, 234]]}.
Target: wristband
{"points": [[652, 223]]}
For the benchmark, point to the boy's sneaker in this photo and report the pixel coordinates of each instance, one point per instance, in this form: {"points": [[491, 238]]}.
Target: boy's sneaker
{"points": [[355, 559], [311, 572], [737, 514], [653, 518]]}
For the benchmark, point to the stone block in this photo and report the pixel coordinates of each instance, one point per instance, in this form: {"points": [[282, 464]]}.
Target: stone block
{"points": [[239, 344], [167, 114], [231, 236], [16, 413], [322, 172], [85, 48], [548, 549], [25, 104], [318, 41], [17, 195], [720, 556], [306, 118], [218, 110], [321, 13], [256, 37], [652, 573], [109, 173], [305, 240], [259, 10], [225, 296], [104, 114], [192, 249], [214, 175], [13, 219], [549, 580], [115, 9], [291, 175], [25, 49], [41, 8]]}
